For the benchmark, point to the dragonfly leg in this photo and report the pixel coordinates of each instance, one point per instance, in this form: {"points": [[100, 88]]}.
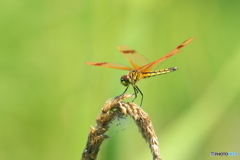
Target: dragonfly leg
{"points": [[138, 90], [125, 89], [135, 92]]}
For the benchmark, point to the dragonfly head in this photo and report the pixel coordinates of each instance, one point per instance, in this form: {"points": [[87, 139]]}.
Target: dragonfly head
{"points": [[125, 80]]}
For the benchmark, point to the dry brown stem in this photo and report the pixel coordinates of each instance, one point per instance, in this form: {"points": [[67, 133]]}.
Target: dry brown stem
{"points": [[117, 108]]}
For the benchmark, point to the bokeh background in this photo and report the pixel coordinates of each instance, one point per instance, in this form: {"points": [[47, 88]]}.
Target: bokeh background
{"points": [[49, 97]]}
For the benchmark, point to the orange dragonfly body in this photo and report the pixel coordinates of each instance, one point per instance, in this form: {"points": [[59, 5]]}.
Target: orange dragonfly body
{"points": [[141, 68]]}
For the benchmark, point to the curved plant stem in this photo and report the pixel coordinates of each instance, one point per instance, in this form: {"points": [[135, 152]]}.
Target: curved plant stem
{"points": [[117, 108]]}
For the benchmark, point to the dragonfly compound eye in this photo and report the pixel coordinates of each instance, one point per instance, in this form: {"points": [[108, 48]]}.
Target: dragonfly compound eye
{"points": [[125, 80]]}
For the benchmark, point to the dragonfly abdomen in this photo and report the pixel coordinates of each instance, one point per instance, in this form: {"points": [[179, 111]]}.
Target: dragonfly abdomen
{"points": [[158, 72]]}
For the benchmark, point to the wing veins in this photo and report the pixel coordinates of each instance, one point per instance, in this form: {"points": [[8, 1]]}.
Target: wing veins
{"points": [[110, 65]]}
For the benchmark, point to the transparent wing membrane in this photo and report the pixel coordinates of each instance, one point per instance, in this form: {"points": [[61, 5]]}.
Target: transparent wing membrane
{"points": [[136, 60], [157, 63]]}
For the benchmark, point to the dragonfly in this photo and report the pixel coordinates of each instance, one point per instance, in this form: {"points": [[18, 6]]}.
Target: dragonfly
{"points": [[140, 66]]}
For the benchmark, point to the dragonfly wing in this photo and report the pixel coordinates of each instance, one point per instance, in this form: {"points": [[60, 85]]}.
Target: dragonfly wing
{"points": [[136, 60], [157, 63], [109, 65]]}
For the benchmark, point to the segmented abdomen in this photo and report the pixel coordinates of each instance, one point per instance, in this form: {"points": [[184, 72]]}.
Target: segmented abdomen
{"points": [[158, 72]]}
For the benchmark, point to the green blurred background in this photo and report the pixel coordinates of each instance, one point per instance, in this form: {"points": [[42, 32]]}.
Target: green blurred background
{"points": [[49, 97]]}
